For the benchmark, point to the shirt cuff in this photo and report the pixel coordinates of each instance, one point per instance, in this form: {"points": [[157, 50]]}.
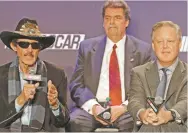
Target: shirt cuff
{"points": [[87, 106], [56, 111], [125, 103], [17, 106], [137, 115], [138, 121]]}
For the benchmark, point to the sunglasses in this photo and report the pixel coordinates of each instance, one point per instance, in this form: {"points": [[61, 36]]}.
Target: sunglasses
{"points": [[34, 45]]}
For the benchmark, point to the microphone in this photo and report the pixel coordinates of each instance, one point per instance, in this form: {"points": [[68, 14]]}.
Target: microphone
{"points": [[158, 100], [31, 78], [152, 104], [155, 103], [106, 114]]}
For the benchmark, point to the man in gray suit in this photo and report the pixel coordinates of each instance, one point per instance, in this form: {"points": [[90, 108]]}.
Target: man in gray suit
{"points": [[165, 80], [103, 70]]}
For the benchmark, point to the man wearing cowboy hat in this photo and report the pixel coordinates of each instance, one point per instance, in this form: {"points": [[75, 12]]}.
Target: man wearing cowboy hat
{"points": [[37, 105]]}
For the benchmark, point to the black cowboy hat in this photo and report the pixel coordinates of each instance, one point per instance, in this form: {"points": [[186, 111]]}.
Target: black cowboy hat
{"points": [[27, 29]]}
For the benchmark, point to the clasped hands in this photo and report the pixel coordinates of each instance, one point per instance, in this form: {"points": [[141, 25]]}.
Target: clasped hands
{"points": [[148, 116], [116, 112]]}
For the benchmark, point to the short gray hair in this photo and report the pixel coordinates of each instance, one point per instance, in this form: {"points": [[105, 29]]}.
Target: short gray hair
{"points": [[166, 23], [117, 4]]}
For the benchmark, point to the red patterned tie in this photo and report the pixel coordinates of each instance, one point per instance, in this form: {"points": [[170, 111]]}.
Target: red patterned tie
{"points": [[114, 79]]}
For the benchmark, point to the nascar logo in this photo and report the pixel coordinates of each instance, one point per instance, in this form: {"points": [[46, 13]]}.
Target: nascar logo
{"points": [[65, 41]]}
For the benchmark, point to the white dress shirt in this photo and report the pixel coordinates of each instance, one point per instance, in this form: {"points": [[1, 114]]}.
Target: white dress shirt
{"points": [[103, 87]]}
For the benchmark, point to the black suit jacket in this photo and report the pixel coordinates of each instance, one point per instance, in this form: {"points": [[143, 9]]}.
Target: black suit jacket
{"points": [[51, 122]]}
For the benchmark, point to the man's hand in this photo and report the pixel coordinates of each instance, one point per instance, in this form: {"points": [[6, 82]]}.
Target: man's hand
{"points": [[27, 93], [164, 116], [117, 111], [97, 109], [148, 116], [52, 95]]}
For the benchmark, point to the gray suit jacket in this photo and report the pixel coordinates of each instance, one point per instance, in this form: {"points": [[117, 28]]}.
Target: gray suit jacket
{"points": [[144, 81], [85, 79]]}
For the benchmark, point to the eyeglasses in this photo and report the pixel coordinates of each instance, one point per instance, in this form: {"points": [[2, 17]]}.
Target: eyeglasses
{"points": [[34, 45]]}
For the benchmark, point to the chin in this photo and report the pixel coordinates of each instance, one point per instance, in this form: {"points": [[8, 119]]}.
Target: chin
{"points": [[113, 33], [166, 60], [29, 63]]}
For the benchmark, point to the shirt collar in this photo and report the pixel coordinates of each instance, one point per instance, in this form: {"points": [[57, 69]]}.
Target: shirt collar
{"points": [[171, 68], [110, 43]]}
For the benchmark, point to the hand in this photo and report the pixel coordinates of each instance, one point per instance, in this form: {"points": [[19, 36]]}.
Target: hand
{"points": [[28, 92], [52, 95], [148, 116], [97, 109], [164, 116], [117, 111]]}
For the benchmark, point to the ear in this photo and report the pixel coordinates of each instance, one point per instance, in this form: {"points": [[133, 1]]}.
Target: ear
{"points": [[127, 23], [153, 46], [180, 43], [12, 45]]}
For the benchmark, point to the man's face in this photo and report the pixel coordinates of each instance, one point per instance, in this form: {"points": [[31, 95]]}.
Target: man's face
{"points": [[27, 54], [114, 22], [166, 45]]}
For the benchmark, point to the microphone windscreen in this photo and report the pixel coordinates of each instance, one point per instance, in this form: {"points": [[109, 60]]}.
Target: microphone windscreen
{"points": [[158, 100]]}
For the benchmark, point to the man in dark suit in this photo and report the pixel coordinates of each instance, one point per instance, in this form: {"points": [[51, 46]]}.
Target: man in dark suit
{"points": [[33, 92], [164, 80], [103, 69]]}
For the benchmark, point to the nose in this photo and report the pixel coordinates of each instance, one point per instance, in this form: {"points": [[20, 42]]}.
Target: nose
{"points": [[165, 44], [112, 20], [30, 49]]}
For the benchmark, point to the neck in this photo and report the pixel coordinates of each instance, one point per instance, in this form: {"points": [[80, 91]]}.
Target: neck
{"points": [[167, 64], [116, 39], [24, 67]]}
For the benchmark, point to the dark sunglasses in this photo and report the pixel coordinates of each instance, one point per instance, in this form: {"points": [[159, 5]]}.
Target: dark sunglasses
{"points": [[34, 45]]}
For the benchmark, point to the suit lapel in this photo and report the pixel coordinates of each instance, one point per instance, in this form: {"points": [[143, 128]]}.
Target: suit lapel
{"points": [[152, 77], [177, 77], [97, 58], [130, 49]]}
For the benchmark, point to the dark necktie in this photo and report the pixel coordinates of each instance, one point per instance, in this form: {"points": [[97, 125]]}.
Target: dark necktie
{"points": [[162, 87], [114, 79]]}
